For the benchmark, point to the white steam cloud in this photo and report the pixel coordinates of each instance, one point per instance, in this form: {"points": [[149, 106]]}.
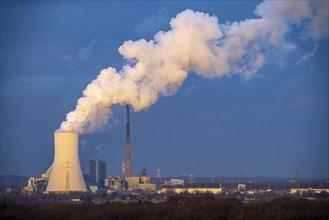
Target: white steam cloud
{"points": [[196, 43]]}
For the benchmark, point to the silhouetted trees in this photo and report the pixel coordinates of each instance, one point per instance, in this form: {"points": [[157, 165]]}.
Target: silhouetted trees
{"points": [[177, 207]]}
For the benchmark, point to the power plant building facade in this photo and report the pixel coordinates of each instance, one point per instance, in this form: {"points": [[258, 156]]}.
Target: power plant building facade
{"points": [[96, 172], [66, 174]]}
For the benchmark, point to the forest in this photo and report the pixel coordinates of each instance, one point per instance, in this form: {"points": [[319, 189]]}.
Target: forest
{"points": [[176, 207]]}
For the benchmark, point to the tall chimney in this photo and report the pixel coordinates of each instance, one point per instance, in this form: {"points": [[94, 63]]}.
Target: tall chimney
{"points": [[127, 141]]}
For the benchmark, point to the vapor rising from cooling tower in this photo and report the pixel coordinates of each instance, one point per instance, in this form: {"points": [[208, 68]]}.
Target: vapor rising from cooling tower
{"points": [[195, 43]]}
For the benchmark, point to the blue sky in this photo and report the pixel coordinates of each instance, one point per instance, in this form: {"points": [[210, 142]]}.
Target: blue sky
{"points": [[268, 125]]}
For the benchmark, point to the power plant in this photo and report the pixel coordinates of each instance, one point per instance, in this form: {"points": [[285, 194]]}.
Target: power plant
{"points": [[66, 174]]}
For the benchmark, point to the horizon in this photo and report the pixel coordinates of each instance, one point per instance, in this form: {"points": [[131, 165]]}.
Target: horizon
{"points": [[216, 178]]}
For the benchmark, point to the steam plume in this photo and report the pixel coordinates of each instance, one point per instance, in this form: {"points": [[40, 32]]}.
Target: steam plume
{"points": [[196, 43]]}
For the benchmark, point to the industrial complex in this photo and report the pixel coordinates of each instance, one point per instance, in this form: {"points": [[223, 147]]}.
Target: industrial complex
{"points": [[65, 176]]}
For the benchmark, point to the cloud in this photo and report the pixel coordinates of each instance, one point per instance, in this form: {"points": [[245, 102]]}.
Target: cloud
{"points": [[195, 43], [153, 23], [99, 149], [189, 90], [85, 53], [308, 55], [83, 144], [82, 56]]}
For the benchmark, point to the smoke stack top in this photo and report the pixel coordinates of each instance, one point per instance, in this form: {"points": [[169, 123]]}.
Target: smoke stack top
{"points": [[195, 43]]}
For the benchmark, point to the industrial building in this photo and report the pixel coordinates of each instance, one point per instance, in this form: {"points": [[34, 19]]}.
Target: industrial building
{"points": [[96, 172], [38, 184], [175, 182], [301, 191], [191, 190], [140, 182], [115, 184]]}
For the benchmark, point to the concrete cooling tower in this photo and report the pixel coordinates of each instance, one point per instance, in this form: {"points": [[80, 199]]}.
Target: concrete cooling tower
{"points": [[66, 175]]}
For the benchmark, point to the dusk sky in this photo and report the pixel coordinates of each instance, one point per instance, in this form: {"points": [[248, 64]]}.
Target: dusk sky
{"points": [[266, 122]]}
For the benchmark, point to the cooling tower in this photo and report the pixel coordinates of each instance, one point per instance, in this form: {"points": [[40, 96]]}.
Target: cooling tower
{"points": [[66, 175]]}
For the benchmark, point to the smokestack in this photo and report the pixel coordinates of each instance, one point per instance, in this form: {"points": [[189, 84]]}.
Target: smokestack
{"points": [[66, 174], [127, 141]]}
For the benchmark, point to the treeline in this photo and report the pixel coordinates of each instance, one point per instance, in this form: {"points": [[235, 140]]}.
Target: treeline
{"points": [[175, 208]]}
